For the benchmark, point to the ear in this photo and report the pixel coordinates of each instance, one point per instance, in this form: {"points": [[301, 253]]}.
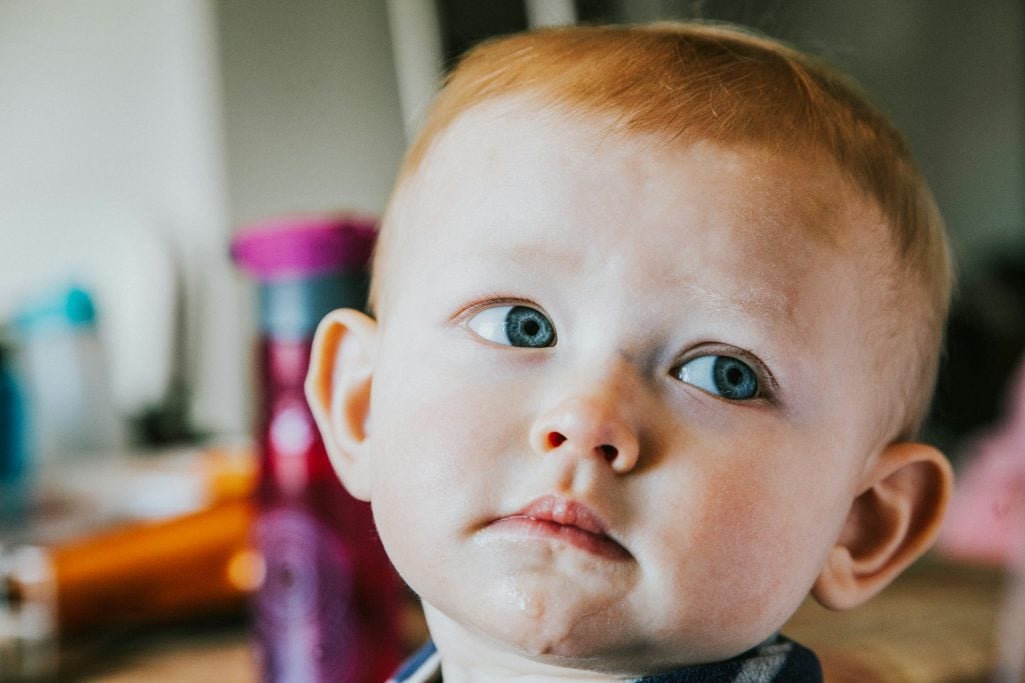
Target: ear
{"points": [[891, 523], [338, 391]]}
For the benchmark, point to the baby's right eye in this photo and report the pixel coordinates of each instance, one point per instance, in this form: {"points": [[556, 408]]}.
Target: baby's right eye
{"points": [[514, 326], [723, 376]]}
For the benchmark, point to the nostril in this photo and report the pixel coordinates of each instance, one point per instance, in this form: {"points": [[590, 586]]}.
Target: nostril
{"points": [[555, 439], [609, 452]]}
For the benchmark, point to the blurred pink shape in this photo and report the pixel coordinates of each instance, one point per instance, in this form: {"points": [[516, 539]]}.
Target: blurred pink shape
{"points": [[986, 522]]}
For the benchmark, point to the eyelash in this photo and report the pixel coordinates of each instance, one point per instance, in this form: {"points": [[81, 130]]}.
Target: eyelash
{"points": [[490, 301]]}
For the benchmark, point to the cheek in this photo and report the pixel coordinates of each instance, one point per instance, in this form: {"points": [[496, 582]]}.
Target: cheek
{"points": [[434, 382], [792, 504], [750, 530], [435, 440]]}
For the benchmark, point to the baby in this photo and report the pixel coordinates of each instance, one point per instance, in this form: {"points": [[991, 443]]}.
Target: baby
{"points": [[658, 313]]}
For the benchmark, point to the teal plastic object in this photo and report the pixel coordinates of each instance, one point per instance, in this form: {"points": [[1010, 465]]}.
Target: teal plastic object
{"points": [[64, 309], [61, 365]]}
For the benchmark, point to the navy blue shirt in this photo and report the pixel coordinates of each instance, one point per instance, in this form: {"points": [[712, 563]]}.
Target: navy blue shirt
{"points": [[777, 660]]}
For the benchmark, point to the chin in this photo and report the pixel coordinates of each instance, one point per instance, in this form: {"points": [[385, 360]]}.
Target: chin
{"points": [[602, 652], [588, 642], [607, 644]]}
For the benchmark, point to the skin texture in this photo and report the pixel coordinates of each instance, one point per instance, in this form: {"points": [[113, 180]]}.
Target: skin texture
{"points": [[717, 516]]}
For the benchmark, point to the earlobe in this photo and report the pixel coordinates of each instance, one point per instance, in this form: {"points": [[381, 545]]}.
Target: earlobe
{"points": [[338, 390], [891, 523]]}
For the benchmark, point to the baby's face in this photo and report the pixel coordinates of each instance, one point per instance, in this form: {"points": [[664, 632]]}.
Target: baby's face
{"points": [[622, 398]]}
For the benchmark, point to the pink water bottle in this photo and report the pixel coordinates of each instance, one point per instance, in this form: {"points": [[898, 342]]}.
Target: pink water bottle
{"points": [[328, 607]]}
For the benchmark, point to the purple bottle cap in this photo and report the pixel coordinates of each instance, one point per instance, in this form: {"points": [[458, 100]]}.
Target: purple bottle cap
{"points": [[297, 246]]}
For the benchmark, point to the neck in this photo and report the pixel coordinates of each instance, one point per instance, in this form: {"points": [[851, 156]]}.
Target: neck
{"points": [[468, 655]]}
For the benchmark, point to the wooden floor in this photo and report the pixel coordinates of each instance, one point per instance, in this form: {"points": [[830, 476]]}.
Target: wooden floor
{"points": [[936, 624]]}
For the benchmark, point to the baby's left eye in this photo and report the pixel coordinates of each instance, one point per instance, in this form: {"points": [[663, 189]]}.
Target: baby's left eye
{"points": [[723, 376], [521, 326]]}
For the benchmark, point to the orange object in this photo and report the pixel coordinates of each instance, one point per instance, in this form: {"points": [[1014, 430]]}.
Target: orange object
{"points": [[187, 566], [230, 473]]}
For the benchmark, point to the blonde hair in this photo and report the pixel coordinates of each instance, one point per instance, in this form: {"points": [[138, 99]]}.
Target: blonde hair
{"points": [[692, 82]]}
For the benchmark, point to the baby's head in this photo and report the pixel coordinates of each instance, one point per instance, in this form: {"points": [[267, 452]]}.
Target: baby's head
{"points": [[658, 311]]}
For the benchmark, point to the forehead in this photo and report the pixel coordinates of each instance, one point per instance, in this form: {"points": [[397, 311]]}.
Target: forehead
{"points": [[509, 161]]}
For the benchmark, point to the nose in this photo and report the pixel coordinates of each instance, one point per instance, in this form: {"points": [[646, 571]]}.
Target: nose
{"points": [[588, 426]]}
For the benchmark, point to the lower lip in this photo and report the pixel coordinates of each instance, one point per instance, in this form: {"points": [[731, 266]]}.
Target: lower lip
{"points": [[595, 544]]}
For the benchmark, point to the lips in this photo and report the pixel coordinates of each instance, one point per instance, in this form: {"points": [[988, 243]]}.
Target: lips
{"points": [[565, 520]]}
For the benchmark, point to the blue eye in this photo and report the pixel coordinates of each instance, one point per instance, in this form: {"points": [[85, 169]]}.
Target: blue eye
{"points": [[514, 326], [721, 376]]}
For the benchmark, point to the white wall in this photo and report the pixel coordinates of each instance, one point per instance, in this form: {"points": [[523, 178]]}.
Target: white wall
{"points": [[110, 126]]}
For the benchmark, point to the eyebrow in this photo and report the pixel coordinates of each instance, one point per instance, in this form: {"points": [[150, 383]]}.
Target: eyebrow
{"points": [[757, 302], [525, 253], [754, 302]]}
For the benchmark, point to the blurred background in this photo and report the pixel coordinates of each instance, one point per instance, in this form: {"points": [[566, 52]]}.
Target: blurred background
{"points": [[136, 138]]}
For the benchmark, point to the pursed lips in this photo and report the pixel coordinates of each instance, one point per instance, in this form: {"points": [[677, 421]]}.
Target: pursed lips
{"points": [[566, 520]]}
